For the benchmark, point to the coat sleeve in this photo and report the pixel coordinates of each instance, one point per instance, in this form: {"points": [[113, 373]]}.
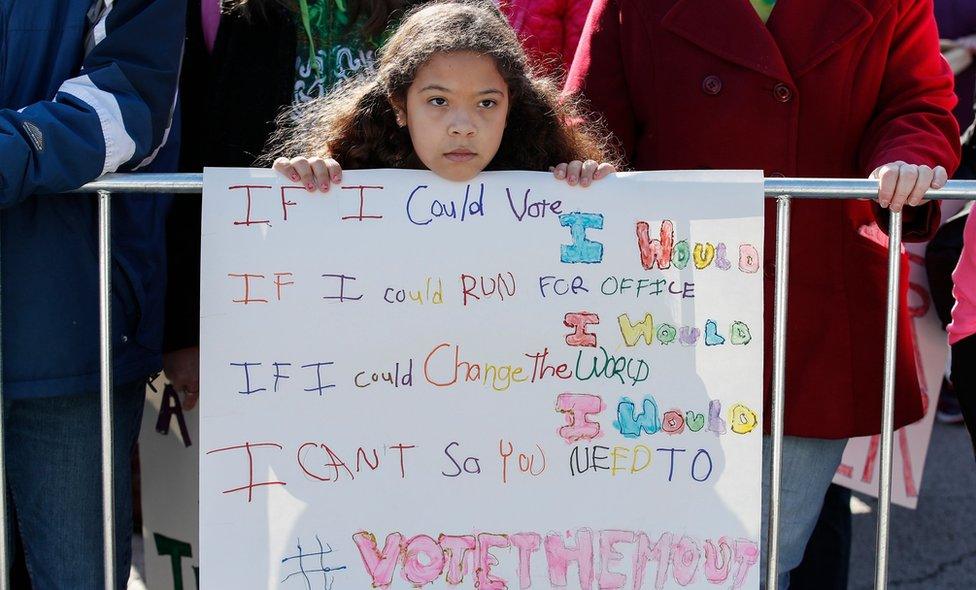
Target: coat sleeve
{"points": [[598, 73], [573, 23], [114, 115], [914, 121]]}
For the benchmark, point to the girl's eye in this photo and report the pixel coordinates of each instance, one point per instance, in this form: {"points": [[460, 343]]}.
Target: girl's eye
{"points": [[438, 101], [487, 103]]}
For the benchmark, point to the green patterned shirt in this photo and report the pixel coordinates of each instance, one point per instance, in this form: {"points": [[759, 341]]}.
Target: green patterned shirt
{"points": [[763, 8], [329, 50]]}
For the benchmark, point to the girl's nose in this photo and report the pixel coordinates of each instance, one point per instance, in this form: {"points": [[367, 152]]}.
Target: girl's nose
{"points": [[462, 125]]}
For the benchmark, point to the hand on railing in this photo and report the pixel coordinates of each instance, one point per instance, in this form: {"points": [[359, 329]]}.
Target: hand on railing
{"points": [[901, 184], [182, 369]]}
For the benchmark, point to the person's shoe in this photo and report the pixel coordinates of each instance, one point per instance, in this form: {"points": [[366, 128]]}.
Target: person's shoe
{"points": [[948, 410]]}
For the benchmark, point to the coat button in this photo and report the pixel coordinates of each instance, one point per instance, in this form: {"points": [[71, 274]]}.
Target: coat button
{"points": [[782, 93], [712, 85]]}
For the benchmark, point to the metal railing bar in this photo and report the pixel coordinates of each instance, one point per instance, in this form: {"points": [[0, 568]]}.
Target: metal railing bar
{"points": [[145, 183], [108, 442], [777, 402], [888, 400], [796, 188], [833, 188]]}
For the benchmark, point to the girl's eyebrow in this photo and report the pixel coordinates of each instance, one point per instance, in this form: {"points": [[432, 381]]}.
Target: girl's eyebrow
{"points": [[440, 88]]}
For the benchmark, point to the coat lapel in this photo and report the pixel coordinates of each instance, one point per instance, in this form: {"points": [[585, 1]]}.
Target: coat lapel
{"points": [[809, 31], [730, 29], [800, 34]]}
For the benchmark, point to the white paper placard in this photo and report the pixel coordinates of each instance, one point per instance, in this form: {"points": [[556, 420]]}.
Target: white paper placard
{"points": [[418, 383]]}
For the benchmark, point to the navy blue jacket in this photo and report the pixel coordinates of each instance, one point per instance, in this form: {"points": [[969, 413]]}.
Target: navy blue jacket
{"points": [[85, 88]]}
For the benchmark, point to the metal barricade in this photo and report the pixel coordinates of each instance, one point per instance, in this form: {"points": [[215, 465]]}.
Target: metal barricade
{"points": [[104, 187], [784, 190]]}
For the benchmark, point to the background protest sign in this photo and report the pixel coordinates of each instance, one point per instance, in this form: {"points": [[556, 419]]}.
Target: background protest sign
{"points": [[168, 459], [505, 383], [860, 467]]}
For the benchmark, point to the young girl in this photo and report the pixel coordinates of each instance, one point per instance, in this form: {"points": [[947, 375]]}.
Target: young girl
{"points": [[453, 93]]}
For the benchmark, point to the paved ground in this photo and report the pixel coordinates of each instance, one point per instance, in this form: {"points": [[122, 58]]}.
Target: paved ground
{"points": [[934, 547]]}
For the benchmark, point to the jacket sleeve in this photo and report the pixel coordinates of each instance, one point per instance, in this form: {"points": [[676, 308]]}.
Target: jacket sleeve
{"points": [[114, 115], [573, 23], [913, 119], [598, 73]]}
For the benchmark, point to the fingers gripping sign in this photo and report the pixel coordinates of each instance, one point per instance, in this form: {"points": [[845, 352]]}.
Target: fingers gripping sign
{"points": [[313, 172], [581, 173]]}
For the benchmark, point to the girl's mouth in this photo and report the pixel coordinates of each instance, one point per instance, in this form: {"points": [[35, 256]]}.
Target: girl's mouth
{"points": [[460, 155]]}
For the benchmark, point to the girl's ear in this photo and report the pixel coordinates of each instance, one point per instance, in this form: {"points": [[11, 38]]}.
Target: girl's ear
{"points": [[399, 107]]}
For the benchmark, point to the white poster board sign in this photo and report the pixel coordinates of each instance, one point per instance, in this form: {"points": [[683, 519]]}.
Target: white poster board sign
{"points": [[509, 383]]}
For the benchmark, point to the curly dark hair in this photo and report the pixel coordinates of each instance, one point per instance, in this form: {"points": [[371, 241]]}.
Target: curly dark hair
{"points": [[356, 123]]}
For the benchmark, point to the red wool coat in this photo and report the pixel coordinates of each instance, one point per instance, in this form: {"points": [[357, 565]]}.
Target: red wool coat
{"points": [[827, 88]]}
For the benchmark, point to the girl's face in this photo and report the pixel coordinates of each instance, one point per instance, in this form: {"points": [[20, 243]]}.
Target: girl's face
{"points": [[456, 109]]}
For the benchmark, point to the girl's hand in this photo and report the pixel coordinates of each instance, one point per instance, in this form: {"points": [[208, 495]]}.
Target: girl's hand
{"points": [[582, 173], [312, 172], [901, 184]]}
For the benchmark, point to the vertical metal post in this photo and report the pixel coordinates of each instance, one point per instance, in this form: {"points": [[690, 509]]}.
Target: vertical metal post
{"points": [[4, 574], [108, 443], [779, 367], [888, 412]]}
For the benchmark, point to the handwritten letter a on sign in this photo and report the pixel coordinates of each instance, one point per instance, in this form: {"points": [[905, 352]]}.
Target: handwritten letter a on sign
{"points": [[510, 383]]}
